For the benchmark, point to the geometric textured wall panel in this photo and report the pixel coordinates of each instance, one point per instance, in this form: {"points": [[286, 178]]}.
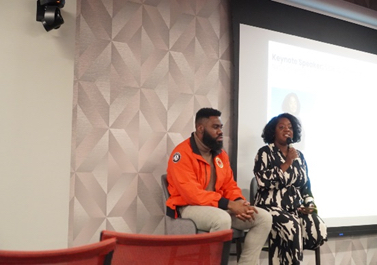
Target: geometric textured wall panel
{"points": [[142, 70], [338, 251]]}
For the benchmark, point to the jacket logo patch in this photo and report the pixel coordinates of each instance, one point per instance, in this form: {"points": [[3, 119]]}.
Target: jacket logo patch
{"points": [[176, 157], [219, 162]]}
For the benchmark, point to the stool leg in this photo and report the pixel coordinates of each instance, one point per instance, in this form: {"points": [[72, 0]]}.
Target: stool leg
{"points": [[238, 248], [317, 256], [269, 250], [225, 253]]}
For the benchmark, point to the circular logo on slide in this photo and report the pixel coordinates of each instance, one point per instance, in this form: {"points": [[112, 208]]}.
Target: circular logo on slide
{"points": [[176, 157]]}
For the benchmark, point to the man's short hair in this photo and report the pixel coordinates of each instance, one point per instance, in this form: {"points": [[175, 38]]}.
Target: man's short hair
{"points": [[206, 113]]}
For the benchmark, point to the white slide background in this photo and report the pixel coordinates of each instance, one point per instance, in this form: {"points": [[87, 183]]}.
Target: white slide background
{"points": [[334, 96]]}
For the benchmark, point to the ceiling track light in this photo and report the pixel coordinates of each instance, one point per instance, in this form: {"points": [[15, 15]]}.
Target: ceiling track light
{"points": [[48, 12]]}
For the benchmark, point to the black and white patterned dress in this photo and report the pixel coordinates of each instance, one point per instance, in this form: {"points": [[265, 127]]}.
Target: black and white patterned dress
{"points": [[282, 193]]}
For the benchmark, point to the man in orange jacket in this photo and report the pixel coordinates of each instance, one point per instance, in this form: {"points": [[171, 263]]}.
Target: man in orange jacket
{"points": [[202, 187]]}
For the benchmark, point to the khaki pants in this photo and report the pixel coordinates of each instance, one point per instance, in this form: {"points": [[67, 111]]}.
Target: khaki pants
{"points": [[212, 219]]}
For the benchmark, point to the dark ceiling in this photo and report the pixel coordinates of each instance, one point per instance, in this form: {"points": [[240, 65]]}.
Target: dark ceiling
{"points": [[371, 4]]}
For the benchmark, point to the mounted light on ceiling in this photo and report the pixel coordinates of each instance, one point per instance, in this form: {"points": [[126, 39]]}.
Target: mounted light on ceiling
{"points": [[48, 12]]}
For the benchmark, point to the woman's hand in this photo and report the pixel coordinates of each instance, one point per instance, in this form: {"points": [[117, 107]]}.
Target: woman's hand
{"points": [[307, 210], [292, 154]]}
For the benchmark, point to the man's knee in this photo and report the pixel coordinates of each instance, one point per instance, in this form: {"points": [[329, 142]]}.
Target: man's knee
{"points": [[265, 218], [223, 222]]}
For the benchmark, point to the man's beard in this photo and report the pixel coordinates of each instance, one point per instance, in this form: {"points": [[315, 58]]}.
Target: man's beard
{"points": [[211, 142]]}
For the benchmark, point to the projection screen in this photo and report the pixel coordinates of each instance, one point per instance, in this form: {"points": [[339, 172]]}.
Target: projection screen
{"points": [[331, 88]]}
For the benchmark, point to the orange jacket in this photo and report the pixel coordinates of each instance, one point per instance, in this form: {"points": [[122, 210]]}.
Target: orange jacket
{"points": [[188, 175]]}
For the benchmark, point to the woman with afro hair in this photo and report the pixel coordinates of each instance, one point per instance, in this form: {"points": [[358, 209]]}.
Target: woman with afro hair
{"points": [[284, 190]]}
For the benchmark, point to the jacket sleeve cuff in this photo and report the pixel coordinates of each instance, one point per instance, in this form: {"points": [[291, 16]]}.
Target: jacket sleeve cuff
{"points": [[223, 203]]}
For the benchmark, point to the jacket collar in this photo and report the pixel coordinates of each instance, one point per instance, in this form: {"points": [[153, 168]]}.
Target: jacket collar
{"points": [[195, 148]]}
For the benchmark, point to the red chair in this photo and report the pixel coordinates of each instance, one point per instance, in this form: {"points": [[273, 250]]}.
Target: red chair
{"points": [[141, 249], [92, 254]]}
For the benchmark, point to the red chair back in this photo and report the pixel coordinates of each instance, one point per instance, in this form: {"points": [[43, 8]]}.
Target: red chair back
{"points": [[90, 254], [141, 249]]}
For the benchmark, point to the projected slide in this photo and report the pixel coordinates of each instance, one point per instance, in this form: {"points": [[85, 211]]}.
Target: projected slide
{"points": [[333, 91]]}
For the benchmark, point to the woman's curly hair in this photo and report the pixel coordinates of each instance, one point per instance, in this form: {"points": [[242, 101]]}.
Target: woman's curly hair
{"points": [[268, 134]]}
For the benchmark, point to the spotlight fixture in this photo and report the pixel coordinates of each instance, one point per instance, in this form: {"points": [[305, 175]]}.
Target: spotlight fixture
{"points": [[48, 12]]}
